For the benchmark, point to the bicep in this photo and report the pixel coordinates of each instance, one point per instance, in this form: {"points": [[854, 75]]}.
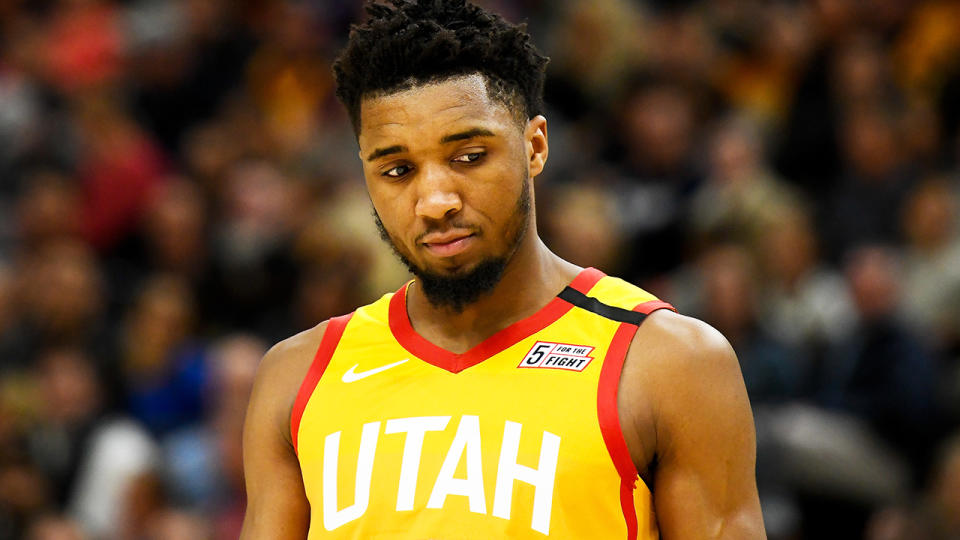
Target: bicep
{"points": [[705, 481], [277, 506]]}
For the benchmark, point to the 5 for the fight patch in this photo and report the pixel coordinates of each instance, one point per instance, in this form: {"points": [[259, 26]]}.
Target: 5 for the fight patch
{"points": [[545, 354]]}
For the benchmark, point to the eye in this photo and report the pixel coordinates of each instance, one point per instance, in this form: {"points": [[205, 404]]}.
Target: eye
{"points": [[398, 171], [469, 158]]}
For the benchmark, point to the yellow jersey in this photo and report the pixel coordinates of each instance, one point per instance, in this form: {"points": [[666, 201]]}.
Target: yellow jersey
{"points": [[519, 437]]}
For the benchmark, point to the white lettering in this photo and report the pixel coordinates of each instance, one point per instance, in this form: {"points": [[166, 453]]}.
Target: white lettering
{"points": [[415, 428], [542, 478], [467, 439], [332, 517], [467, 445]]}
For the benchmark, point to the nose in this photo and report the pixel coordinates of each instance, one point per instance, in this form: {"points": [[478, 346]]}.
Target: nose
{"points": [[438, 196]]}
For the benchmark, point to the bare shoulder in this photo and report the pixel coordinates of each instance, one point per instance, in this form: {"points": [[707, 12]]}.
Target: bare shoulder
{"points": [[679, 362], [675, 342], [282, 371], [294, 348], [292, 356], [674, 354]]}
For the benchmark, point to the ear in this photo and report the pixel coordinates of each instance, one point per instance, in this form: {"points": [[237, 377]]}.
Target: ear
{"points": [[536, 143]]}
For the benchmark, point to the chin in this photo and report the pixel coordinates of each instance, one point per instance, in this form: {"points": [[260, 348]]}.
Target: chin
{"points": [[458, 287], [448, 268]]}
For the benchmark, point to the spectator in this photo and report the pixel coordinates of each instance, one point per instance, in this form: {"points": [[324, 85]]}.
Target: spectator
{"points": [[203, 462], [874, 185], [771, 369], [657, 133], [740, 195], [61, 302], [48, 209], [121, 169], [932, 263], [807, 304], [72, 405], [581, 221], [163, 365], [881, 373]]}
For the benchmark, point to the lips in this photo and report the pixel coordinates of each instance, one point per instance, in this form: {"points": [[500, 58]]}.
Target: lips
{"points": [[449, 243], [446, 237]]}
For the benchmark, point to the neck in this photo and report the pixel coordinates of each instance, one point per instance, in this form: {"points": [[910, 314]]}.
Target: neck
{"points": [[532, 277]]}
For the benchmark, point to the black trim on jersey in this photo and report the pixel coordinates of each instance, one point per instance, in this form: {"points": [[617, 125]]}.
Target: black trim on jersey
{"points": [[589, 303]]}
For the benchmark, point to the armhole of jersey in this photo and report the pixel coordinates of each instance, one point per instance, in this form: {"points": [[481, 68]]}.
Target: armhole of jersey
{"points": [[328, 344], [609, 416]]}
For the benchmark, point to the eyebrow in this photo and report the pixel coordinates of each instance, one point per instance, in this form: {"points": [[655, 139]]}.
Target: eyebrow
{"points": [[468, 134], [380, 152], [453, 137]]}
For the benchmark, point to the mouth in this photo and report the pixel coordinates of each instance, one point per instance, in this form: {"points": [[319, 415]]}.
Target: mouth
{"points": [[448, 244]]}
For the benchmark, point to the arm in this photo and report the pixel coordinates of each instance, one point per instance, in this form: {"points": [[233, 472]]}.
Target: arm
{"points": [[277, 507], [700, 429]]}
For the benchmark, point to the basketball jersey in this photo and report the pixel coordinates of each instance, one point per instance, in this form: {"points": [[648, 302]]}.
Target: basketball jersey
{"points": [[518, 437]]}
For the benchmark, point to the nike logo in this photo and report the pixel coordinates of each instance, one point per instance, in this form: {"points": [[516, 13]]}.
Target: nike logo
{"points": [[352, 376]]}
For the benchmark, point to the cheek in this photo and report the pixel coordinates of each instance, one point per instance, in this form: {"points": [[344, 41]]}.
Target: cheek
{"points": [[393, 219], [386, 201], [501, 198], [387, 213]]}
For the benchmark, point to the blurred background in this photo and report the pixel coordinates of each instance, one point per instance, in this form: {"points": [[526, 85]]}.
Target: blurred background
{"points": [[179, 189]]}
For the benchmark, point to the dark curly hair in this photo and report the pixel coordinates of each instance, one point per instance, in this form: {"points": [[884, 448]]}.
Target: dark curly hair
{"points": [[406, 43]]}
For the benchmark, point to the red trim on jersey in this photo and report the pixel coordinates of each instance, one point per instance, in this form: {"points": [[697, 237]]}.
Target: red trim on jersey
{"points": [[649, 307], [328, 344], [629, 509], [609, 417], [417, 345], [610, 422]]}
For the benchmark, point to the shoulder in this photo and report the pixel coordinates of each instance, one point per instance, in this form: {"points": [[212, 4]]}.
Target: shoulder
{"points": [[289, 354], [686, 370], [281, 372], [676, 344]]}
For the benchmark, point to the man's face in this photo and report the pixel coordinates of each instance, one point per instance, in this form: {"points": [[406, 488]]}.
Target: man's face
{"points": [[448, 172]]}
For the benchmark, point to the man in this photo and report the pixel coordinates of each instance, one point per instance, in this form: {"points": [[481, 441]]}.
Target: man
{"points": [[504, 392]]}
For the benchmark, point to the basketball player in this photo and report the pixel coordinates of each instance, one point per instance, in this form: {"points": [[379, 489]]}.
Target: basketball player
{"points": [[503, 392]]}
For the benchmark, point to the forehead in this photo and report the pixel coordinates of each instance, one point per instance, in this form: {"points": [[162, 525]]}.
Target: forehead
{"points": [[428, 112]]}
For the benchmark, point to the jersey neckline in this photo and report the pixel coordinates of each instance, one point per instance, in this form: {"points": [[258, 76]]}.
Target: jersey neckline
{"points": [[433, 354]]}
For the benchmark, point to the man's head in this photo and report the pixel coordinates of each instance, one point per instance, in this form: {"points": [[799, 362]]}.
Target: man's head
{"points": [[408, 43], [445, 101]]}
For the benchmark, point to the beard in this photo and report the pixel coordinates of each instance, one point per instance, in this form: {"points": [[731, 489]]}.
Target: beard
{"points": [[456, 291]]}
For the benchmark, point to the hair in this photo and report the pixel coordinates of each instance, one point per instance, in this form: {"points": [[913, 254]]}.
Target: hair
{"points": [[407, 43]]}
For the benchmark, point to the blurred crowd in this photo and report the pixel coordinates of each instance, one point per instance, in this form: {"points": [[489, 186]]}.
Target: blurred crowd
{"points": [[179, 188]]}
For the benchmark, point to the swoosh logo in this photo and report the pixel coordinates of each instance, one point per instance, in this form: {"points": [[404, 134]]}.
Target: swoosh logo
{"points": [[352, 376]]}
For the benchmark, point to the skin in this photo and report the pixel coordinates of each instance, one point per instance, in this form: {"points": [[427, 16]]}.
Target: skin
{"points": [[682, 402]]}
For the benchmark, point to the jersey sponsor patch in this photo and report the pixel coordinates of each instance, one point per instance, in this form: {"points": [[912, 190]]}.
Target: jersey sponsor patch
{"points": [[546, 354]]}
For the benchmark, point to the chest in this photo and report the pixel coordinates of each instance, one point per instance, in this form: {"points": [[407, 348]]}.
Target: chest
{"points": [[517, 436]]}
